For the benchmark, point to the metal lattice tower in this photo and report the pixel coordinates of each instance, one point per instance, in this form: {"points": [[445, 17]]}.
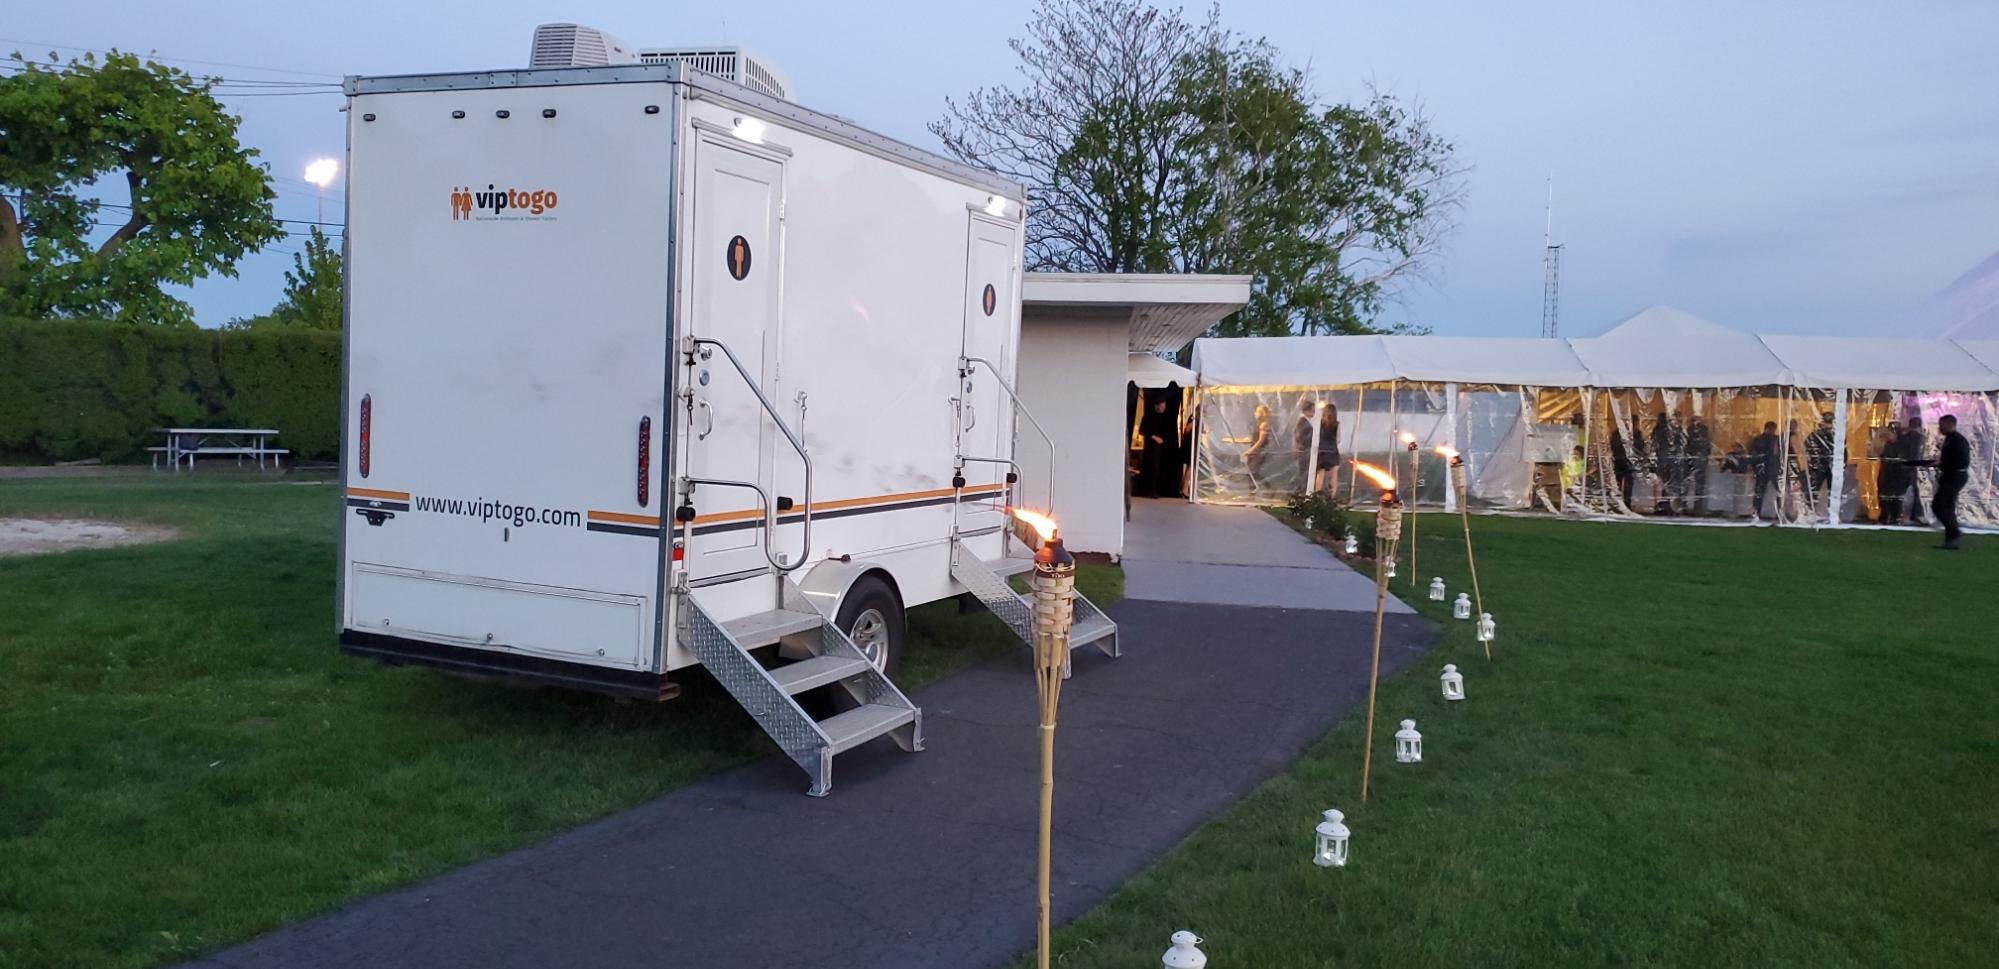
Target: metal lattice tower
{"points": [[1551, 290], [1551, 273]]}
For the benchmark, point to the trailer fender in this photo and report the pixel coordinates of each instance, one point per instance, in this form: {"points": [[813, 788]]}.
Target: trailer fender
{"points": [[825, 585]]}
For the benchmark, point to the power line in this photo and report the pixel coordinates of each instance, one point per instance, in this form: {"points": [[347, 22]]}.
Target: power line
{"points": [[217, 86], [115, 205], [163, 58]]}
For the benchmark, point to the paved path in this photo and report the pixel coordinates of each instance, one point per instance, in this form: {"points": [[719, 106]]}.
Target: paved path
{"points": [[1179, 552], [919, 860]]}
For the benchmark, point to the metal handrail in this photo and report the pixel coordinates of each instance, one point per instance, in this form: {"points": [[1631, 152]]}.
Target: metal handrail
{"points": [[1021, 408], [763, 500], [805, 507]]}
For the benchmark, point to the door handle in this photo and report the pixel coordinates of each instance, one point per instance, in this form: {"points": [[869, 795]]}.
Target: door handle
{"points": [[971, 412], [709, 427]]}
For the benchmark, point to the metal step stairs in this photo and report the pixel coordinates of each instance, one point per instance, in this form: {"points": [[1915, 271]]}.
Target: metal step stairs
{"points": [[987, 582], [770, 694]]}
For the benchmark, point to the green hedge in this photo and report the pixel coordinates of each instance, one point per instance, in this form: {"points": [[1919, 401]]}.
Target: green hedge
{"points": [[74, 389]]}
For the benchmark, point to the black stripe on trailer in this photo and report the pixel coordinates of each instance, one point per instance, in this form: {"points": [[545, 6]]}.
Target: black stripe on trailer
{"points": [[614, 528]]}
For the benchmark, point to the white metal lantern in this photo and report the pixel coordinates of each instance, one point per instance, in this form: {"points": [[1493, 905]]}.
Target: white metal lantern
{"points": [[1353, 544], [1329, 847], [1437, 589], [1408, 744], [1453, 682], [1308, 523], [1183, 955], [1461, 609], [1390, 570], [1485, 625]]}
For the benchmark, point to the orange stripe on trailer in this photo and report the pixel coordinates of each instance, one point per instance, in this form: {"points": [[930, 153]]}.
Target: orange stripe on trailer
{"points": [[839, 503], [378, 493], [623, 519]]}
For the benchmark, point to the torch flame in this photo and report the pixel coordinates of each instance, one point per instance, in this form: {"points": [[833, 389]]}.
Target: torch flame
{"points": [[1042, 524], [1381, 479], [1447, 450]]}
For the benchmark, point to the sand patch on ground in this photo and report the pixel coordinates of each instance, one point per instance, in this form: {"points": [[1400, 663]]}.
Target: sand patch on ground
{"points": [[36, 536]]}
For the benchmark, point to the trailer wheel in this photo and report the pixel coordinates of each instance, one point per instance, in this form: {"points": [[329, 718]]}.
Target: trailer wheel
{"points": [[871, 615]]}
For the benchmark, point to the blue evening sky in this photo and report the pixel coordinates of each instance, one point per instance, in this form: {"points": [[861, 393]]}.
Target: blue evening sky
{"points": [[1802, 166]]}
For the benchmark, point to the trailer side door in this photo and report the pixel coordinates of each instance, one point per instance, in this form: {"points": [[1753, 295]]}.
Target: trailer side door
{"points": [[991, 314], [735, 269]]}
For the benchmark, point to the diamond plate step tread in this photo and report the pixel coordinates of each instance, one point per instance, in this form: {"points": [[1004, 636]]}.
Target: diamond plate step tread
{"points": [[979, 579], [1010, 566], [765, 628], [862, 724], [796, 678], [1089, 629]]}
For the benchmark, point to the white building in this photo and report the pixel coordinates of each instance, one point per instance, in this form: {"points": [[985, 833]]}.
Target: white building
{"points": [[1078, 334]]}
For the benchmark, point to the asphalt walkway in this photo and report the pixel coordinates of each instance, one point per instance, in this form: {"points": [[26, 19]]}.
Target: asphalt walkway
{"points": [[1179, 552], [921, 860]]}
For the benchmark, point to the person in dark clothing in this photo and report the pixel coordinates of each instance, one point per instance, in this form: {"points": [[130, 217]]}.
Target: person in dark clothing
{"points": [[1620, 464], [1667, 448], [1766, 459], [1301, 439], [1891, 479], [1818, 459], [1700, 448], [1914, 443], [1160, 436], [1329, 449], [1953, 464]]}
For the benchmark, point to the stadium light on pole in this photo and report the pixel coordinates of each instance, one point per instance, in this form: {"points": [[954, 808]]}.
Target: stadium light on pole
{"points": [[321, 172]]}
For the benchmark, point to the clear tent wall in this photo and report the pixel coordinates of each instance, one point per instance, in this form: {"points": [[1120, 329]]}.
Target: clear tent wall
{"points": [[1664, 416], [1733, 454], [1259, 445]]}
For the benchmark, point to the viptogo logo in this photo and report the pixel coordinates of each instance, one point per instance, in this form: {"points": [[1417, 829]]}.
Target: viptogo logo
{"points": [[469, 202]]}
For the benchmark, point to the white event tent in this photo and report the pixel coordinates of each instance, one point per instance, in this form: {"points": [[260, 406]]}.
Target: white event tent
{"points": [[1664, 414]]}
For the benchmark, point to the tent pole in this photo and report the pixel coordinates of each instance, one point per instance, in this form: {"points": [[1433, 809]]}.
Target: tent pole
{"points": [[1838, 496], [1312, 458], [1193, 444], [1353, 444], [1451, 417]]}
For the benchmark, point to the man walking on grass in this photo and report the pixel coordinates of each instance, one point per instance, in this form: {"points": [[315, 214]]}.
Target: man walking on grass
{"points": [[1953, 464]]}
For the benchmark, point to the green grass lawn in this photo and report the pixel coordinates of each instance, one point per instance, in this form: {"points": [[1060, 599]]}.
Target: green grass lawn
{"points": [[1695, 747], [186, 761]]}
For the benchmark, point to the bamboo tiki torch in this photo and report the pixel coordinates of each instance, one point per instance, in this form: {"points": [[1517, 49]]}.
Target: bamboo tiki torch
{"points": [[1409, 441], [1387, 529], [1464, 511], [1054, 588]]}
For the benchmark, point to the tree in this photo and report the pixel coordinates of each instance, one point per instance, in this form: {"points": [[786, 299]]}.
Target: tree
{"points": [[1149, 144], [197, 200], [312, 298], [1093, 132]]}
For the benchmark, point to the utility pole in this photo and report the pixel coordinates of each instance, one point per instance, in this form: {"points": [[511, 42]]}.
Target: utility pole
{"points": [[1551, 273]]}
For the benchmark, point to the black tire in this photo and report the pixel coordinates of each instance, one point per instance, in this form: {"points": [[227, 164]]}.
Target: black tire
{"points": [[872, 611]]}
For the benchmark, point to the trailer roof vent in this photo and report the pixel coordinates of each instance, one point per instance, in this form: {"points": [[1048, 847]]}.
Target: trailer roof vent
{"points": [[574, 45], [730, 63]]}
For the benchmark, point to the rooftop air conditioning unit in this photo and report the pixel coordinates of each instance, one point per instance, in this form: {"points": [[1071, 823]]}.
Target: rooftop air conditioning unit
{"points": [[574, 45], [731, 63]]}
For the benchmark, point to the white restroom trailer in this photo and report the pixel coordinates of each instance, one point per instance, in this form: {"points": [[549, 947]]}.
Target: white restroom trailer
{"points": [[646, 369]]}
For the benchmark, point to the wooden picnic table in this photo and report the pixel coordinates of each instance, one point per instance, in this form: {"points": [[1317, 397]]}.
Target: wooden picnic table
{"points": [[189, 442]]}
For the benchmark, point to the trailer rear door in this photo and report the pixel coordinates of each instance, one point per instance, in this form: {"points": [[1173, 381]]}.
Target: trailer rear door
{"points": [[507, 363]]}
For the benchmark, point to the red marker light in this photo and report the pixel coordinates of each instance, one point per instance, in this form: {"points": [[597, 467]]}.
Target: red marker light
{"points": [[645, 461], [367, 430]]}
